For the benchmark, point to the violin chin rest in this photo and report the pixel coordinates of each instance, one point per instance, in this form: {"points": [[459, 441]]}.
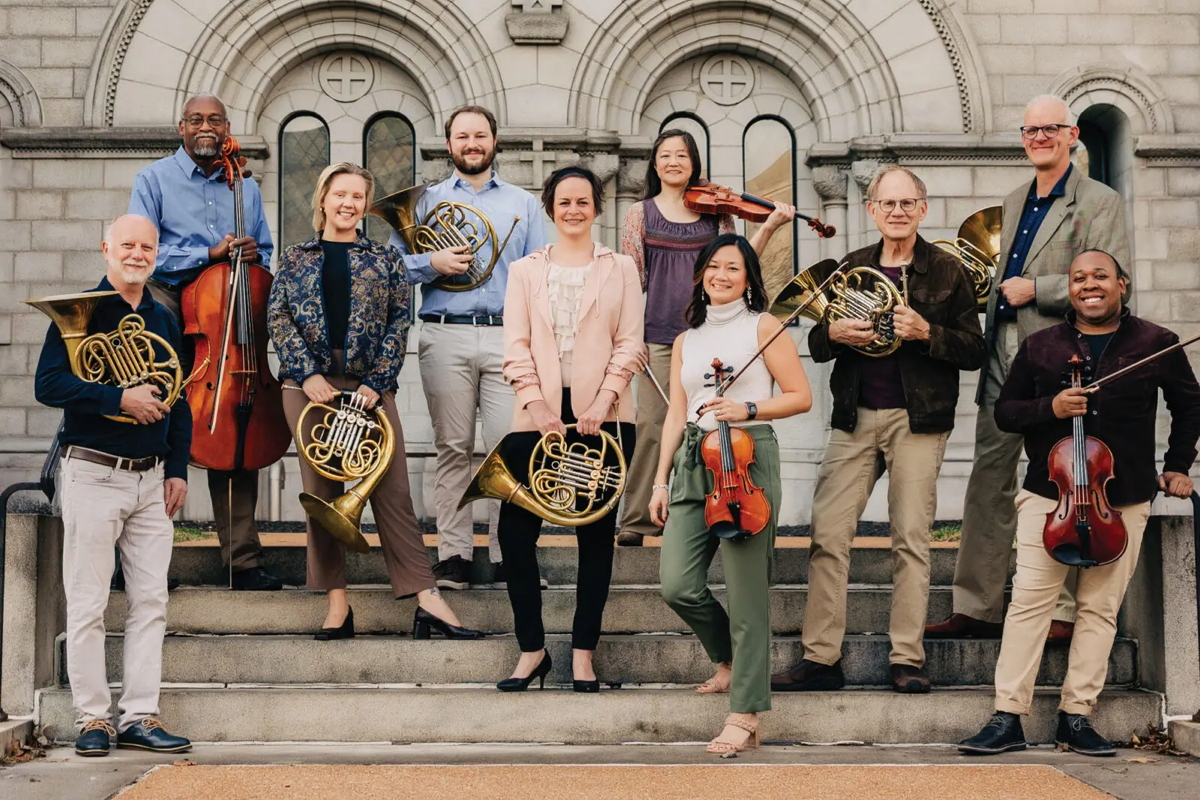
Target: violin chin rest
{"points": [[727, 530], [1069, 554]]}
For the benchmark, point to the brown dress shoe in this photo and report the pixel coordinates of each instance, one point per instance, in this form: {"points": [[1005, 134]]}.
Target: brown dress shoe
{"points": [[960, 626], [907, 679], [1060, 631], [809, 676], [629, 539]]}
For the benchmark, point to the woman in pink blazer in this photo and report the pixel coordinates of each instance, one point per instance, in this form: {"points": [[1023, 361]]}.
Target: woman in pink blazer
{"points": [[573, 322]]}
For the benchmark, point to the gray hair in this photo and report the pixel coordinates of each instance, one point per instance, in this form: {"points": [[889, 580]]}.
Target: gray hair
{"points": [[108, 230], [887, 169], [1068, 117]]}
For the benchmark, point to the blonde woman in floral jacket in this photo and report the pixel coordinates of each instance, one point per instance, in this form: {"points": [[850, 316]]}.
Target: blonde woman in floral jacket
{"points": [[339, 317]]}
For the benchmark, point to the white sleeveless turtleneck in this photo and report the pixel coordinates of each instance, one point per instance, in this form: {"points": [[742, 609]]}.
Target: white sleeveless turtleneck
{"points": [[730, 333]]}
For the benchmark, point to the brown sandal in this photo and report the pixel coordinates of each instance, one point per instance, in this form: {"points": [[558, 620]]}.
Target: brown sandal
{"points": [[718, 747]]}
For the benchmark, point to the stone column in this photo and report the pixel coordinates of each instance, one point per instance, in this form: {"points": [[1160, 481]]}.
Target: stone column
{"points": [[862, 172], [831, 184]]}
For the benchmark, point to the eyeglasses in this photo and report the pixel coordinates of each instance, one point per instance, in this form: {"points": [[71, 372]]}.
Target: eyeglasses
{"points": [[215, 121], [907, 205], [1049, 131]]}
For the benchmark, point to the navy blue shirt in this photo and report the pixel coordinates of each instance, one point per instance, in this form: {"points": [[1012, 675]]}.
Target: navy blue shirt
{"points": [[85, 403], [1035, 211]]}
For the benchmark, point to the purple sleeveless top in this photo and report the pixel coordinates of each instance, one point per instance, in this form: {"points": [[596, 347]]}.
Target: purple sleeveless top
{"points": [[671, 250]]}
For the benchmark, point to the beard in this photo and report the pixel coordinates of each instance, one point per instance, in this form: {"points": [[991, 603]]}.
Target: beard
{"points": [[203, 149], [460, 163], [135, 276]]}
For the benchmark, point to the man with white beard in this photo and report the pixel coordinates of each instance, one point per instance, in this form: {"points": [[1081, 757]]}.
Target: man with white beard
{"points": [[121, 484]]}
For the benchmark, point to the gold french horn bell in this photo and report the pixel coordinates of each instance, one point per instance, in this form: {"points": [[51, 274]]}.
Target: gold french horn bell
{"points": [[977, 247], [856, 293], [350, 442], [123, 358]]}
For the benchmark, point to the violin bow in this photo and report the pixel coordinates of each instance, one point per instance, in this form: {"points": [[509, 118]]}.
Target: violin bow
{"points": [[1096, 385]]}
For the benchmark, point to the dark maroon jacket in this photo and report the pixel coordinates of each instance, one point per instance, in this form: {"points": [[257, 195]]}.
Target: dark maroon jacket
{"points": [[1123, 414]]}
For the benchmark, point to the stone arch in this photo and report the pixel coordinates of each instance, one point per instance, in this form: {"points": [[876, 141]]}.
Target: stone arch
{"points": [[21, 97], [852, 83], [1127, 88]]}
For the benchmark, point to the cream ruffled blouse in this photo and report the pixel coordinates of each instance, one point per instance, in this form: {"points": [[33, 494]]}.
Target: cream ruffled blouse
{"points": [[565, 285]]}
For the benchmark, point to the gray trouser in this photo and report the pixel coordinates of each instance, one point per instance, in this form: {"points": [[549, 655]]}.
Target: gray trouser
{"points": [[103, 507]]}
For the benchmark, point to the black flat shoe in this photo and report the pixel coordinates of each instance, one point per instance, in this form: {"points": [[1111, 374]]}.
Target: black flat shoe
{"points": [[343, 631], [1075, 733], [521, 684], [1001, 734], [586, 687], [149, 734], [255, 579], [425, 623]]}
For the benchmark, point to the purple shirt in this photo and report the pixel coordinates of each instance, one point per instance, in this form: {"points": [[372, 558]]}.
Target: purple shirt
{"points": [[881, 386], [671, 249]]}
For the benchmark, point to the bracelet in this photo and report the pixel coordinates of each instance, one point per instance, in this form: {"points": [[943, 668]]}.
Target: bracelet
{"points": [[660, 486]]}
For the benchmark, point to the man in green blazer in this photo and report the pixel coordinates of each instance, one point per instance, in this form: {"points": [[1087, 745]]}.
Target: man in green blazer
{"points": [[1047, 222]]}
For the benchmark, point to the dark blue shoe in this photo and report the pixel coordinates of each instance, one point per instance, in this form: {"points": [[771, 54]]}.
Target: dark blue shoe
{"points": [[93, 739], [149, 734]]}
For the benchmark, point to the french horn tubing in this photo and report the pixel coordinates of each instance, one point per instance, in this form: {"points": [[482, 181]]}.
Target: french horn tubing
{"points": [[977, 248], [849, 293]]}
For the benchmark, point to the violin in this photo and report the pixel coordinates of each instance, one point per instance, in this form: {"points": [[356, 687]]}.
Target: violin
{"points": [[1084, 530], [737, 508], [710, 198], [237, 404]]}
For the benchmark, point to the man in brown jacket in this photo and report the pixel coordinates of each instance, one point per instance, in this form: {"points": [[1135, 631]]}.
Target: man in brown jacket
{"points": [[1047, 222], [892, 412]]}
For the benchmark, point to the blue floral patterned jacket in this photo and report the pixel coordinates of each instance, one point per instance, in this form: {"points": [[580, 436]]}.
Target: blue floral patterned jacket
{"points": [[377, 334]]}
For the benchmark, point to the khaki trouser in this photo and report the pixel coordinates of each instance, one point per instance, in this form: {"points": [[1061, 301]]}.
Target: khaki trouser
{"points": [[461, 370], [635, 509], [104, 507], [1036, 586], [234, 494], [853, 462], [989, 511]]}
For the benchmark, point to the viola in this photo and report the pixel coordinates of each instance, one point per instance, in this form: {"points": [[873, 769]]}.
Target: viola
{"points": [[736, 508], [237, 404], [710, 198], [1084, 530]]}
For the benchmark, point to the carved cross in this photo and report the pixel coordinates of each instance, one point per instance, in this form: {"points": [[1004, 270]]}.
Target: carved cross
{"points": [[538, 158], [537, 6]]}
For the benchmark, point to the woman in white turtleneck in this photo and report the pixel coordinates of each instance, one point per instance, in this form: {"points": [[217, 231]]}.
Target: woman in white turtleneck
{"points": [[726, 321]]}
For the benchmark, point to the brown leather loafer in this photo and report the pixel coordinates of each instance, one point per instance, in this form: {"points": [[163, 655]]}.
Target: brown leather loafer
{"points": [[960, 626], [1060, 631], [809, 676], [629, 539], [907, 679]]}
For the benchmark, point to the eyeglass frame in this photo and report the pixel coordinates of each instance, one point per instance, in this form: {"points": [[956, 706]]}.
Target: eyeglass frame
{"points": [[1044, 130], [899, 203], [194, 125]]}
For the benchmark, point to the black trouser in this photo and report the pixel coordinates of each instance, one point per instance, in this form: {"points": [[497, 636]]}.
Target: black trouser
{"points": [[519, 531]]}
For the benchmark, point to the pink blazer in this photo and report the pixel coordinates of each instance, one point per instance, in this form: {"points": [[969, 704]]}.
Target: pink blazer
{"points": [[611, 323]]}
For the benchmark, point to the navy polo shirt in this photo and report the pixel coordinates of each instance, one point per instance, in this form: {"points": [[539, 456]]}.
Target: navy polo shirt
{"points": [[1035, 211]]}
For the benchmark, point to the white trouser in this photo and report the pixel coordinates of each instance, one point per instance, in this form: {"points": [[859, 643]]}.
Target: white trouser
{"points": [[104, 507], [461, 370]]}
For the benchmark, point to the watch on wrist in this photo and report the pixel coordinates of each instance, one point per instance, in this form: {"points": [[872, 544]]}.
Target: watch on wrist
{"points": [[751, 410]]}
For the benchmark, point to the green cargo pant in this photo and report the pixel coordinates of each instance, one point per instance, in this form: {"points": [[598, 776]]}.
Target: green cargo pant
{"points": [[742, 636]]}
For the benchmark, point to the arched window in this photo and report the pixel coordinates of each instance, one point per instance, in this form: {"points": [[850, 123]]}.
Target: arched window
{"points": [[1107, 153], [390, 154], [686, 121], [303, 153], [769, 167]]}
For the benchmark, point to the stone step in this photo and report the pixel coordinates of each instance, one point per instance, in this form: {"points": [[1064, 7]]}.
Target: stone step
{"points": [[629, 610], [647, 658], [481, 714], [201, 565]]}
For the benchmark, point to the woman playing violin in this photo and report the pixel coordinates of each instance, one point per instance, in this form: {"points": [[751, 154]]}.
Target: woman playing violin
{"points": [[664, 237], [726, 321], [339, 317]]}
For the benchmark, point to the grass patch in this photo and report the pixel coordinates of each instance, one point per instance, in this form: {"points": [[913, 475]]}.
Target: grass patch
{"points": [[946, 532], [192, 533]]}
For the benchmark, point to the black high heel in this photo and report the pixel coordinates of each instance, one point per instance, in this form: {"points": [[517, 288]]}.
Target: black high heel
{"points": [[586, 687], [343, 631], [424, 623], [521, 684]]}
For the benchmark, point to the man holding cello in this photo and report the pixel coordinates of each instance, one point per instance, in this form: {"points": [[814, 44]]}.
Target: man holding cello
{"points": [[187, 198], [1099, 337]]}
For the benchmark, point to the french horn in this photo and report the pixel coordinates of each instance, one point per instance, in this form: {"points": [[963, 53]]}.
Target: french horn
{"points": [[124, 358], [570, 483], [977, 247], [855, 293], [347, 442], [447, 224]]}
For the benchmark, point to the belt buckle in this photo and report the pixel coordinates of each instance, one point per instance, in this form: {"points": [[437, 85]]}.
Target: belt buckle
{"points": [[119, 465], [474, 320]]}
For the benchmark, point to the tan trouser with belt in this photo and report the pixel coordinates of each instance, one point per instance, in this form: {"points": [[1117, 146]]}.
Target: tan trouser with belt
{"points": [[103, 507], [1036, 586], [461, 370], [989, 511], [635, 508], [853, 462]]}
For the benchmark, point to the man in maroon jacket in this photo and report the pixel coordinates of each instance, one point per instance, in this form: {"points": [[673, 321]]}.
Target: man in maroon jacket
{"points": [[1033, 402]]}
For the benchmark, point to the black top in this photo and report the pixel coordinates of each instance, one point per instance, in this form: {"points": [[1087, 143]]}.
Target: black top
{"points": [[1097, 342], [335, 285], [84, 403]]}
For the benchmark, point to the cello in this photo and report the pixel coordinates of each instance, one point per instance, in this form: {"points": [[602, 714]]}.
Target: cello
{"points": [[237, 404], [1084, 530], [737, 508], [711, 198]]}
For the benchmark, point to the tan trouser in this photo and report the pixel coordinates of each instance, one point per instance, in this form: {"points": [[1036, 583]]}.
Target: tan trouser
{"points": [[1036, 586], [852, 464], [461, 370], [104, 507], [635, 509], [989, 512]]}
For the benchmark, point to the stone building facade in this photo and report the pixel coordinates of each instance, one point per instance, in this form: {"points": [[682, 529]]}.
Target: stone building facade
{"points": [[795, 99]]}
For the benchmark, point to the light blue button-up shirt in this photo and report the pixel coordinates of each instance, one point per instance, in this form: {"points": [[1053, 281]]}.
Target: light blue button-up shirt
{"points": [[193, 212], [500, 202]]}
